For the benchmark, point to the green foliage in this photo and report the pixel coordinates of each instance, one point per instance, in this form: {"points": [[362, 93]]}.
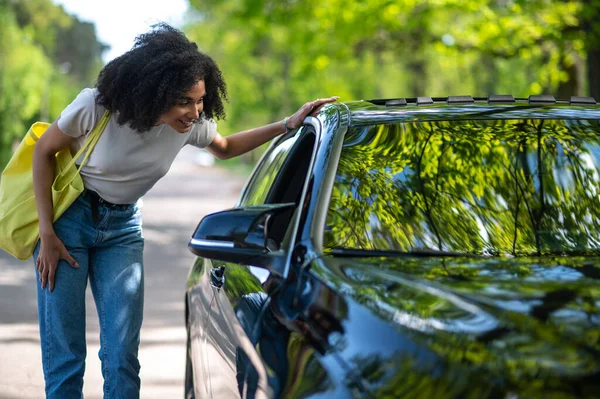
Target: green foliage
{"points": [[278, 54], [24, 70], [46, 58]]}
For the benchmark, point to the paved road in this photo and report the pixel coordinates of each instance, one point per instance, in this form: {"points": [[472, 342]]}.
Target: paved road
{"points": [[171, 211]]}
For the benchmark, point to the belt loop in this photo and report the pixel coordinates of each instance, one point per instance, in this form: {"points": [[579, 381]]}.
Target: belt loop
{"points": [[94, 205]]}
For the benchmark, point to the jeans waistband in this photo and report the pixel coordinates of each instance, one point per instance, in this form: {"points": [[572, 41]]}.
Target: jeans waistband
{"points": [[95, 198]]}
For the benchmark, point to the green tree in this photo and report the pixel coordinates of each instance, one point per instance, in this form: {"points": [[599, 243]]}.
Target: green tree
{"points": [[278, 54], [46, 57], [24, 73]]}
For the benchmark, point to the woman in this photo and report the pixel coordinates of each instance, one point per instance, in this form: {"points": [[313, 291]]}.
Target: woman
{"points": [[162, 95]]}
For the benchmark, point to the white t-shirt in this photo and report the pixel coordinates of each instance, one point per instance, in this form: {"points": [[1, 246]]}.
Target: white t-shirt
{"points": [[125, 164]]}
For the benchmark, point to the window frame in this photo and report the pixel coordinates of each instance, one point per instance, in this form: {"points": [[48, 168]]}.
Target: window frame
{"points": [[311, 125]]}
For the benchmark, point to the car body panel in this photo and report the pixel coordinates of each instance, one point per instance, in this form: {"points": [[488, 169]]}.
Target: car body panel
{"points": [[528, 326], [420, 325], [222, 339], [198, 303]]}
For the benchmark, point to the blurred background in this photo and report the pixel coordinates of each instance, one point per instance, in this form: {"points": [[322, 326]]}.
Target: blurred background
{"points": [[278, 54]]}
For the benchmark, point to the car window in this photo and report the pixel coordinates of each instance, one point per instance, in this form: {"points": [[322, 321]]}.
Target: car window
{"points": [[281, 176], [280, 179], [515, 187], [257, 190]]}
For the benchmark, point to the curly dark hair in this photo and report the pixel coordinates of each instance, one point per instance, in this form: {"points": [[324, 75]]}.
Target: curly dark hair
{"points": [[142, 84]]}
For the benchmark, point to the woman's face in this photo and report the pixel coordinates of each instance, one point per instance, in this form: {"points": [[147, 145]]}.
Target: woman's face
{"points": [[186, 110]]}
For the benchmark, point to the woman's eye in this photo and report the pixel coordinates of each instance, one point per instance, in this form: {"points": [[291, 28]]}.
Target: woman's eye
{"points": [[201, 100]]}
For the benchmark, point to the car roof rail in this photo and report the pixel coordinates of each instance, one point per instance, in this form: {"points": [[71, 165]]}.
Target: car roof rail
{"points": [[545, 99], [500, 99], [576, 100], [388, 101], [460, 99], [491, 99], [396, 102], [424, 101]]}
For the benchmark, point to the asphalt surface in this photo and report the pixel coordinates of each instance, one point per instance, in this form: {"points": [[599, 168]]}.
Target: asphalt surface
{"points": [[171, 211]]}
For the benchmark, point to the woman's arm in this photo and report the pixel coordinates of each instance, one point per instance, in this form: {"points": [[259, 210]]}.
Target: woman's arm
{"points": [[242, 142], [51, 248]]}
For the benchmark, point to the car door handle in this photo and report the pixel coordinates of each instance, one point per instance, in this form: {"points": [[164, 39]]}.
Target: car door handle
{"points": [[217, 276]]}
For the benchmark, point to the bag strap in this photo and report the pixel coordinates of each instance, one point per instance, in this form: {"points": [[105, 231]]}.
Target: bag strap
{"points": [[91, 141]]}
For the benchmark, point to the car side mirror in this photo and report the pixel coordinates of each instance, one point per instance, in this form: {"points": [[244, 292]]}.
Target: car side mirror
{"points": [[241, 235]]}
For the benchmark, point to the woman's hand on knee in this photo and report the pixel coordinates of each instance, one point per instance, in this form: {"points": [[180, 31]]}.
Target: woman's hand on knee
{"points": [[51, 251]]}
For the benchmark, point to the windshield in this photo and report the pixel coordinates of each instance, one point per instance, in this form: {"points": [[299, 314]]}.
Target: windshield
{"points": [[518, 187]]}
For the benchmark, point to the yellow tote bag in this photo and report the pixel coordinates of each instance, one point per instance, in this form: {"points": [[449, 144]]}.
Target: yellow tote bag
{"points": [[19, 223]]}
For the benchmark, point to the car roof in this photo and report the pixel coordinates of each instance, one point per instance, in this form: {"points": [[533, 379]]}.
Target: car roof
{"points": [[423, 109]]}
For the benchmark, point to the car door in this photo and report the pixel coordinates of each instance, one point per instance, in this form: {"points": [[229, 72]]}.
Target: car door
{"points": [[237, 298]]}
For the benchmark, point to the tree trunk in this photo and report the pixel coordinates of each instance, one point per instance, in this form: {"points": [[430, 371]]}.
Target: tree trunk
{"points": [[593, 72], [491, 73], [418, 76], [571, 86], [590, 13]]}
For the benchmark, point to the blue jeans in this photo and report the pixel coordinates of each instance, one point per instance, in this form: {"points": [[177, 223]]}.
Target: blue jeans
{"points": [[107, 243]]}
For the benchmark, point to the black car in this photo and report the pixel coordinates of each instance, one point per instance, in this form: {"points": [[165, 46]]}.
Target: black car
{"points": [[408, 248]]}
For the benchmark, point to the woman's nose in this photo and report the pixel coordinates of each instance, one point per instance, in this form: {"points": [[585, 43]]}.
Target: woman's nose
{"points": [[196, 110]]}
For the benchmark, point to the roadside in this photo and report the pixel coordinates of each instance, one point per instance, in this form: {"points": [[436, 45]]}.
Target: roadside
{"points": [[171, 211]]}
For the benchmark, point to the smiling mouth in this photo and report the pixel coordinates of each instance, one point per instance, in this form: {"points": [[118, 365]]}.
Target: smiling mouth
{"points": [[189, 123]]}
